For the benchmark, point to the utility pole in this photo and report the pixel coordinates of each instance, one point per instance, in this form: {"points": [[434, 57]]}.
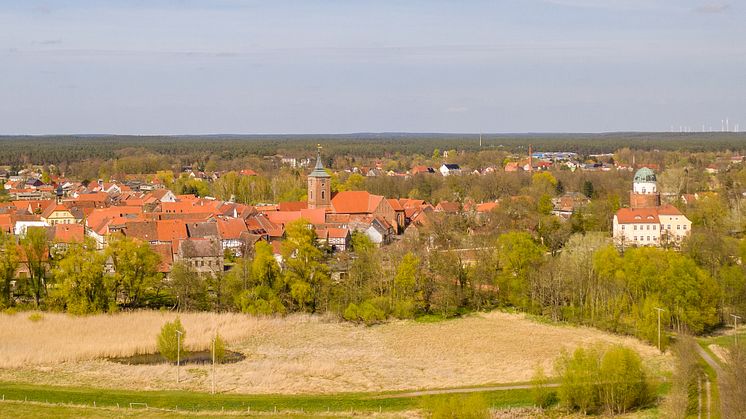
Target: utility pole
{"points": [[214, 341], [659, 327], [735, 326], [178, 354]]}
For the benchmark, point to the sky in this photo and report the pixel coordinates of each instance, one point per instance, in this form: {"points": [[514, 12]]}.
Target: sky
{"points": [[343, 66]]}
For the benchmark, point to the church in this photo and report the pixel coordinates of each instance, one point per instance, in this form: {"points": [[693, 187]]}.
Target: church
{"points": [[646, 222]]}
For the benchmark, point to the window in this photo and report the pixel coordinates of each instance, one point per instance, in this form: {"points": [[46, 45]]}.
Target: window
{"points": [[322, 193], [654, 226], [635, 238], [635, 226], [684, 227], [648, 226], [678, 226], [648, 238], [622, 226], [669, 226], [310, 195]]}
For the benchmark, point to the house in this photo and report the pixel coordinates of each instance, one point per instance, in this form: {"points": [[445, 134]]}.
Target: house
{"points": [[203, 255], [338, 238], [422, 170], [450, 169], [646, 222], [230, 231], [60, 214]]}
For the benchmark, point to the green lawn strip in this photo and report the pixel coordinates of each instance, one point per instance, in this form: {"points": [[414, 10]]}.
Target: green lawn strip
{"points": [[195, 401]]}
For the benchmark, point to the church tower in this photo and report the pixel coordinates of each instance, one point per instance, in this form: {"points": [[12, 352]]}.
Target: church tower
{"points": [[319, 185], [644, 190]]}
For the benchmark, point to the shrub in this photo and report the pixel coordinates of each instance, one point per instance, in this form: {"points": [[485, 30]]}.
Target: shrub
{"points": [[404, 309], [370, 314], [169, 344], [543, 395], [351, 313], [36, 317], [593, 380]]}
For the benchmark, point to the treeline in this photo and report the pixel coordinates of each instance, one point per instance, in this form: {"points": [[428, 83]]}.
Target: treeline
{"points": [[65, 150]]}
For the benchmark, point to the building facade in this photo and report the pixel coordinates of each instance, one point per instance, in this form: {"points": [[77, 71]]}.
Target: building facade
{"points": [[647, 222]]}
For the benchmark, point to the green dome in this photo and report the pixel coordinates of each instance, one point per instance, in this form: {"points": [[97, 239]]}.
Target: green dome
{"points": [[644, 175]]}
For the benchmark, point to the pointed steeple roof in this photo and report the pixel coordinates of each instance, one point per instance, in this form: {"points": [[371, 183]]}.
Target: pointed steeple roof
{"points": [[319, 171]]}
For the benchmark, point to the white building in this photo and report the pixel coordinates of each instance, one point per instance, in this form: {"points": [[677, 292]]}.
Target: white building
{"points": [[648, 223]]}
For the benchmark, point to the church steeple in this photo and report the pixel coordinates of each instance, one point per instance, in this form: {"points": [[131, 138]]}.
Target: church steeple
{"points": [[319, 185]]}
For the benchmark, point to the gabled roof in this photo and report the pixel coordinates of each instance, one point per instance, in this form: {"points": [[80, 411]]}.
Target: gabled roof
{"points": [[637, 216], [203, 229], [231, 228], [355, 202], [668, 210], [191, 248], [66, 233]]}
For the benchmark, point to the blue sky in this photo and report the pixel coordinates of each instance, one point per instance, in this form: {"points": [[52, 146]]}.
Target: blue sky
{"points": [[337, 66]]}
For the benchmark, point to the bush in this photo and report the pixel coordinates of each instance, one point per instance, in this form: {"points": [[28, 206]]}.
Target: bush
{"points": [[169, 344], [370, 314], [404, 309], [458, 407], [261, 300], [36, 317], [593, 380], [351, 313], [543, 395]]}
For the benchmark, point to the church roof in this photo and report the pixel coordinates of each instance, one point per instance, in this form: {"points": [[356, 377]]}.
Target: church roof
{"points": [[319, 171]]}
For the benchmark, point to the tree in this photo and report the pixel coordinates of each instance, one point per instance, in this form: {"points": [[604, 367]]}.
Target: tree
{"points": [[135, 269], [188, 287], [8, 266], [305, 271], [170, 341], [588, 189], [81, 276], [595, 380], [517, 254], [218, 347], [36, 252]]}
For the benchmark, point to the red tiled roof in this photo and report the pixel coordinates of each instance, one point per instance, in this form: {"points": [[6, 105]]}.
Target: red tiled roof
{"points": [[668, 210], [68, 233], [637, 216], [355, 202], [395, 204], [486, 206], [231, 228], [293, 206]]}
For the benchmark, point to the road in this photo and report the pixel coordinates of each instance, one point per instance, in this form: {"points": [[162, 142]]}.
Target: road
{"points": [[715, 367]]}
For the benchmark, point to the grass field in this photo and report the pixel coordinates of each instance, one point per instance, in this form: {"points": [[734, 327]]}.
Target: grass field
{"points": [[296, 354]]}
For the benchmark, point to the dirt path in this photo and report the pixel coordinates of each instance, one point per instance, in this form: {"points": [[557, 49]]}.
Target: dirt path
{"points": [[716, 367], [464, 390]]}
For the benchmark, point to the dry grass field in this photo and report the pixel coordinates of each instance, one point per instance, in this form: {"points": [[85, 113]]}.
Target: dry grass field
{"points": [[296, 354]]}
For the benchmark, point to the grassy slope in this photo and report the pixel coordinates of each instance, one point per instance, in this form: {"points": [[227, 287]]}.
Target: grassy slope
{"points": [[231, 402]]}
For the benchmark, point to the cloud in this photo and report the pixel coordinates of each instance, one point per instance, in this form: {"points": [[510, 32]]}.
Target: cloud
{"points": [[50, 42], [457, 109], [710, 8]]}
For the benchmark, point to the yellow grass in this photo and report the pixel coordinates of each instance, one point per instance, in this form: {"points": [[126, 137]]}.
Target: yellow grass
{"points": [[297, 354]]}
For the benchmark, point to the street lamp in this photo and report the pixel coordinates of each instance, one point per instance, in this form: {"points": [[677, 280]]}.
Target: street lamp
{"points": [[178, 353], [659, 326]]}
